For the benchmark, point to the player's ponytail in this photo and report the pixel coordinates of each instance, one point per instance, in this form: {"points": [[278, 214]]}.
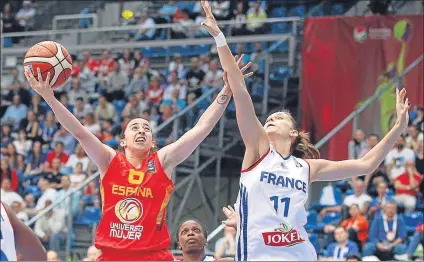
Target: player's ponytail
{"points": [[302, 147]]}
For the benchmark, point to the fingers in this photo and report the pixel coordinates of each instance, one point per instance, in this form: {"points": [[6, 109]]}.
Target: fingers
{"points": [[248, 75], [244, 68], [240, 61], [231, 208], [48, 79], [40, 78], [236, 58]]}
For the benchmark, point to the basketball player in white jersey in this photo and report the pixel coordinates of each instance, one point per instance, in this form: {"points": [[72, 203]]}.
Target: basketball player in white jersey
{"points": [[16, 236], [278, 166]]}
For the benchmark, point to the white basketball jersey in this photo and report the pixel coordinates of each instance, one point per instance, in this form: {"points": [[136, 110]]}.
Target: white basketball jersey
{"points": [[7, 237], [271, 207]]}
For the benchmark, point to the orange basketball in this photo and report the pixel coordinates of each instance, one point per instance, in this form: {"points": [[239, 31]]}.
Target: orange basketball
{"points": [[50, 57]]}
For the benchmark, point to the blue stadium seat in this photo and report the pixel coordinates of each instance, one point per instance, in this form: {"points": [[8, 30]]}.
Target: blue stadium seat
{"points": [[147, 51], [316, 11], [349, 192], [7, 42], [298, 11], [160, 52], [119, 105], [90, 215], [312, 219], [280, 73], [412, 219], [279, 28], [33, 190], [337, 9], [278, 12], [314, 241], [331, 217], [343, 185], [258, 88], [189, 5]]}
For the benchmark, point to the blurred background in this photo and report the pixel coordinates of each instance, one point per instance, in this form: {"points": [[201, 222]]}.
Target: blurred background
{"points": [[333, 64]]}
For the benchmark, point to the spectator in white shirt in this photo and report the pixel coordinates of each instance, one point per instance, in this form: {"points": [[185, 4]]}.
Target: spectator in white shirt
{"points": [[22, 144], [213, 77], [397, 158], [90, 124], [26, 15], [47, 193], [79, 156], [50, 228], [360, 198], [16, 207], [148, 27], [221, 9], [7, 195], [78, 176]]}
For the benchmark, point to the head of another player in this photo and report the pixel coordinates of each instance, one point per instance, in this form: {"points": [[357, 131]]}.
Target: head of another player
{"points": [[137, 136], [281, 126], [192, 236]]}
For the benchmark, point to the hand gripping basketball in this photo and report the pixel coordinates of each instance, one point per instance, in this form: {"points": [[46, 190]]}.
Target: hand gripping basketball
{"points": [[42, 87]]}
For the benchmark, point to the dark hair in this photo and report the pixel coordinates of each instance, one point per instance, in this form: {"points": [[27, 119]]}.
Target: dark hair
{"points": [[205, 231], [375, 135], [354, 256], [302, 147]]}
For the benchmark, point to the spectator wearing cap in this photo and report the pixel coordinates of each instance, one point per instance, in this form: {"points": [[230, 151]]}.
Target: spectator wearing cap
{"points": [[343, 247], [387, 234], [407, 186], [15, 112]]}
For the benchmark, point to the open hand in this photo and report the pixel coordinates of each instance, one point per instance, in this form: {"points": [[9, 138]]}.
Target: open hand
{"points": [[210, 24], [239, 62], [231, 215], [402, 108], [42, 87]]}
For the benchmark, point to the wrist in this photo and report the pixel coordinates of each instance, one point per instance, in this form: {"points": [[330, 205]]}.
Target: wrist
{"points": [[220, 40]]}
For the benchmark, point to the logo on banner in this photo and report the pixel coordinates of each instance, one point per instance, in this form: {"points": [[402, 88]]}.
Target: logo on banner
{"points": [[360, 33], [283, 236]]}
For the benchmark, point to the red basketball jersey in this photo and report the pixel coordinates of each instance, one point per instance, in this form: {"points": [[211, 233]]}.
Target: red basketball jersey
{"points": [[134, 206]]}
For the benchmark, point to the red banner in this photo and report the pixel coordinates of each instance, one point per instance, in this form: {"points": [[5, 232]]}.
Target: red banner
{"points": [[345, 60]]}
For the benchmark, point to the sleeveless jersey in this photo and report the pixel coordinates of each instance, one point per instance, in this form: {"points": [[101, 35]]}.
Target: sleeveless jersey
{"points": [[7, 237], [134, 206], [271, 206]]}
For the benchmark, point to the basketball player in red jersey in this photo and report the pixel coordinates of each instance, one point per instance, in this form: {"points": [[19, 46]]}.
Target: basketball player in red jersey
{"points": [[135, 184]]}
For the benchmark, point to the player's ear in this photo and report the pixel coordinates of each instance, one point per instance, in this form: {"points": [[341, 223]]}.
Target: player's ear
{"points": [[122, 143]]}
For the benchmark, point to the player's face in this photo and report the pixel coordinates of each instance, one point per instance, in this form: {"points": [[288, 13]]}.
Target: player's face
{"points": [[138, 135], [191, 236], [279, 124]]}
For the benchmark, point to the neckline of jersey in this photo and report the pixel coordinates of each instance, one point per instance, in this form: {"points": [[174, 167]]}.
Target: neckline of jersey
{"points": [[284, 158]]}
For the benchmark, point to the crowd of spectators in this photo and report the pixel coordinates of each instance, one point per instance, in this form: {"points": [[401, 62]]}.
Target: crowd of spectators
{"points": [[370, 216]]}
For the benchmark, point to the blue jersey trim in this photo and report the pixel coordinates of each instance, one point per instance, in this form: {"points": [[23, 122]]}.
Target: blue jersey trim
{"points": [[238, 257], [245, 216]]}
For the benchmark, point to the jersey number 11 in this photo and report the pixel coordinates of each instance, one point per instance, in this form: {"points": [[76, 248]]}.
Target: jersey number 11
{"points": [[285, 200]]}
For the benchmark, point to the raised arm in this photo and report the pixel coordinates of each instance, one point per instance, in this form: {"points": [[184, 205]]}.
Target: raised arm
{"points": [[175, 153], [325, 170], [252, 131], [99, 153]]}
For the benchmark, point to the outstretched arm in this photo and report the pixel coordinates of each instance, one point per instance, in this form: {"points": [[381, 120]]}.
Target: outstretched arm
{"points": [[325, 170], [99, 153], [175, 153], [26, 242], [251, 130]]}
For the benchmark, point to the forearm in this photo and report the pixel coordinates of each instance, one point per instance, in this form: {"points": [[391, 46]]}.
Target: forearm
{"points": [[214, 112], [378, 153], [66, 118]]}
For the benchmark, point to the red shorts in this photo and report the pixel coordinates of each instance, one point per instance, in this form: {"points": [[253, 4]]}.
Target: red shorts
{"points": [[124, 255]]}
